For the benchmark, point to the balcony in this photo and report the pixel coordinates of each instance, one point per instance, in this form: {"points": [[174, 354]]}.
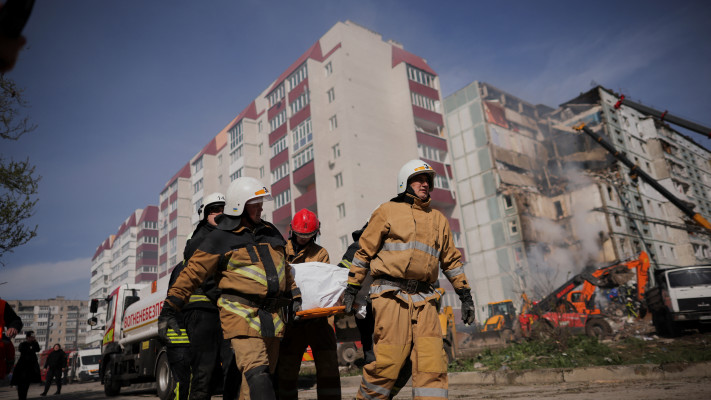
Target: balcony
{"points": [[427, 118], [306, 200], [304, 175], [282, 214]]}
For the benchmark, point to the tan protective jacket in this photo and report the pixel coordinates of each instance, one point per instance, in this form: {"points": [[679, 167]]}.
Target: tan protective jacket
{"points": [[409, 240], [309, 253], [249, 263]]}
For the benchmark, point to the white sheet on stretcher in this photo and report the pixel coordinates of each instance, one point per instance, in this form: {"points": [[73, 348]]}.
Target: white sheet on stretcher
{"points": [[322, 286]]}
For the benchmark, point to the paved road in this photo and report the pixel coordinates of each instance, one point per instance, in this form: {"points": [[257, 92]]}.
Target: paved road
{"points": [[682, 388]]}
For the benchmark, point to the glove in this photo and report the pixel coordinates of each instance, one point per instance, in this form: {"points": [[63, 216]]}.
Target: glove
{"points": [[168, 319], [465, 296], [295, 307], [349, 297]]}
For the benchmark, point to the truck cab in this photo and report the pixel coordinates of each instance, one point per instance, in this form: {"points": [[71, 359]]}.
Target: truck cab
{"points": [[680, 298]]}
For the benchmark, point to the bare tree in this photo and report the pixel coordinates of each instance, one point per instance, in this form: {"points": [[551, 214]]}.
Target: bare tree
{"points": [[18, 181]]}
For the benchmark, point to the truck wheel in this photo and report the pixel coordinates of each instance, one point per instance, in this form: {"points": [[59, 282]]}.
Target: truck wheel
{"points": [[672, 329], [659, 324], [164, 378], [598, 327], [347, 354], [112, 387]]}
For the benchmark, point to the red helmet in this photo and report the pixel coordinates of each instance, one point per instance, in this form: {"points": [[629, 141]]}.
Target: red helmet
{"points": [[305, 224]]}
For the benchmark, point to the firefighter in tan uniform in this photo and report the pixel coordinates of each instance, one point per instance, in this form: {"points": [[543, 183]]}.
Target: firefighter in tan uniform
{"points": [[403, 245], [248, 255], [316, 332]]}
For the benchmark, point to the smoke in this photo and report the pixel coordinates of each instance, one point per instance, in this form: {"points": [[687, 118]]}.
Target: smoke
{"points": [[565, 246]]}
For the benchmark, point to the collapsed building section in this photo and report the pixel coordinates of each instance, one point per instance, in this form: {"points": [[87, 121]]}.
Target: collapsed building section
{"points": [[541, 202]]}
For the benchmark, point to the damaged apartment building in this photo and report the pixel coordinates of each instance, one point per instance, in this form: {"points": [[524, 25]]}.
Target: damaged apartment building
{"points": [[540, 201]]}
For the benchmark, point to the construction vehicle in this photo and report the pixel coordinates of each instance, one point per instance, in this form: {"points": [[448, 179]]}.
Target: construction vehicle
{"points": [[131, 351], [557, 311], [501, 316]]}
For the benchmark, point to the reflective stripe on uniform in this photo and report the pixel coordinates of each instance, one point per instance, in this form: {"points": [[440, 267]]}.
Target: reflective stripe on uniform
{"points": [[250, 271], [358, 263], [346, 263], [248, 313], [373, 388], [450, 274], [251, 315], [429, 392], [174, 338], [198, 297], [389, 246]]}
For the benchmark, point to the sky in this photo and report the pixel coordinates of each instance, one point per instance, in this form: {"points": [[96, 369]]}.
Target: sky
{"points": [[123, 93]]}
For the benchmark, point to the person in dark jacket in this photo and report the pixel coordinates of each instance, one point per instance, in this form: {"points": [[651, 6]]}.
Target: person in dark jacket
{"points": [[57, 363], [27, 369], [202, 319], [10, 324]]}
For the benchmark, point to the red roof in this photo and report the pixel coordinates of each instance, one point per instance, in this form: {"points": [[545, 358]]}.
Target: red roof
{"points": [[150, 213], [400, 55], [183, 173], [249, 112], [314, 52]]}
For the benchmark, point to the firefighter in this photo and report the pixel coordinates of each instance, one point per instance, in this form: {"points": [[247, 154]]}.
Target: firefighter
{"points": [[201, 316], [177, 346], [402, 246], [366, 325], [248, 254], [316, 332]]}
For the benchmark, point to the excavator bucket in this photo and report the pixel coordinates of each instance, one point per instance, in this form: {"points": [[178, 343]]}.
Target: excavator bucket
{"points": [[472, 342]]}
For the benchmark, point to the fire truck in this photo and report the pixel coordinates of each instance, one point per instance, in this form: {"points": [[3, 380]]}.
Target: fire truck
{"points": [[131, 352]]}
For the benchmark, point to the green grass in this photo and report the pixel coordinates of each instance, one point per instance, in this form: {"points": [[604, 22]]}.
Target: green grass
{"points": [[582, 351]]}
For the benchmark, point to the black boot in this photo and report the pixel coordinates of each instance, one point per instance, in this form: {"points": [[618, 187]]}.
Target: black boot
{"points": [[260, 383]]}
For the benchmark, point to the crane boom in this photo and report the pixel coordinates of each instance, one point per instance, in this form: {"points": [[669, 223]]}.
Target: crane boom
{"points": [[664, 116], [636, 172]]}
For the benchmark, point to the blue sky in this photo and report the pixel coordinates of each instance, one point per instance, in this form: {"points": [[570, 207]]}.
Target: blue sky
{"points": [[124, 93]]}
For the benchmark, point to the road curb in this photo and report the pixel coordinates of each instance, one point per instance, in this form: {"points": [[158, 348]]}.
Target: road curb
{"points": [[586, 374]]}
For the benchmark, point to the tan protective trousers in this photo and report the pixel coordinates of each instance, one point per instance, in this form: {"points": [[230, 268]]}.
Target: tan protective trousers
{"points": [[252, 352], [404, 330]]}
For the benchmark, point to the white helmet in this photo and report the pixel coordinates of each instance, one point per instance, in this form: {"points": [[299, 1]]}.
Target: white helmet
{"points": [[243, 191], [213, 199], [412, 168]]}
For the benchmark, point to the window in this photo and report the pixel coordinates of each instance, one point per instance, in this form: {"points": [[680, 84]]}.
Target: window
{"points": [[197, 165], [302, 135], [508, 202], [298, 76], [344, 242], [276, 95], [236, 174], [341, 211], [197, 186], [423, 101], [332, 123], [331, 95], [150, 224], [300, 102], [420, 76], [339, 179], [260, 125], [150, 239], [236, 136], [328, 69], [174, 244], [336, 151], [236, 154], [282, 198], [277, 121], [431, 153], [558, 209], [261, 172], [219, 159], [303, 157], [174, 224], [513, 227], [278, 146], [261, 148], [280, 172], [441, 182], [219, 180]]}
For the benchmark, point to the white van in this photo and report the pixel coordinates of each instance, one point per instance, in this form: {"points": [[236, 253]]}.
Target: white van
{"points": [[84, 365]]}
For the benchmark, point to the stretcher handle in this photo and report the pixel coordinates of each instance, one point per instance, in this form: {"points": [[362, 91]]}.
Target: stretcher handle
{"points": [[321, 312]]}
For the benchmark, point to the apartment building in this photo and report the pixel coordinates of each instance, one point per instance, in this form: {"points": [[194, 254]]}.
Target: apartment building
{"points": [[128, 256], [55, 320], [329, 134], [541, 202]]}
